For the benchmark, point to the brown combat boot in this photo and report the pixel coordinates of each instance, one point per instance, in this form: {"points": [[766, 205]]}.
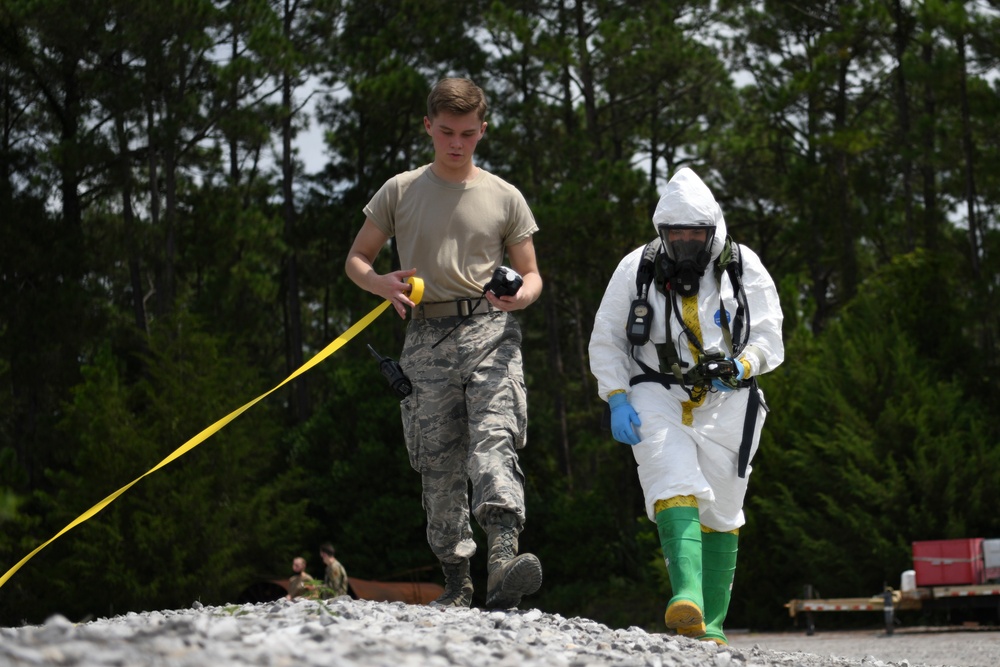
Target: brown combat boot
{"points": [[457, 585], [510, 576]]}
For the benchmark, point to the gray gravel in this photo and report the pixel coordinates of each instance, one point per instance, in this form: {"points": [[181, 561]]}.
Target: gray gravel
{"points": [[354, 633], [950, 646]]}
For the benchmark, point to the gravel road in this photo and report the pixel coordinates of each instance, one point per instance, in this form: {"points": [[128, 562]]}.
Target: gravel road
{"points": [[355, 633], [950, 647]]}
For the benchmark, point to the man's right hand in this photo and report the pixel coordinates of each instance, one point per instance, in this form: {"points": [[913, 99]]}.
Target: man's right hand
{"points": [[360, 267], [395, 288]]}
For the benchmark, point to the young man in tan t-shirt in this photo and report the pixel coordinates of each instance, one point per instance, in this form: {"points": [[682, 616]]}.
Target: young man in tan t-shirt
{"points": [[467, 414]]}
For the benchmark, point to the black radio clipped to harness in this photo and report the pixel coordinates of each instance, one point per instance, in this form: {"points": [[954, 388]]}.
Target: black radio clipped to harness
{"points": [[393, 372]]}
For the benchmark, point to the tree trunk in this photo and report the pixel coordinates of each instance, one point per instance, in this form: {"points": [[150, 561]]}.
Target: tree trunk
{"points": [[931, 222], [153, 156], [556, 369], [969, 155], [130, 226], [299, 402], [842, 201], [901, 41], [168, 287]]}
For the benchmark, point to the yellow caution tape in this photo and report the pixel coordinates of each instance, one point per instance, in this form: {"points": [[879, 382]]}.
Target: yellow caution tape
{"points": [[416, 294]]}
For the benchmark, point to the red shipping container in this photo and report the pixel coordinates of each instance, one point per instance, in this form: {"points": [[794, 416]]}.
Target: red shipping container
{"points": [[949, 562]]}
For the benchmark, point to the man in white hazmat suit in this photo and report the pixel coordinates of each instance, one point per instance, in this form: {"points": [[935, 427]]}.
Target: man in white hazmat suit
{"points": [[690, 406]]}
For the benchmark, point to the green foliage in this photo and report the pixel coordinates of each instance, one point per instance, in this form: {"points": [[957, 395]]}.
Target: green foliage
{"points": [[875, 440], [8, 505], [180, 534]]}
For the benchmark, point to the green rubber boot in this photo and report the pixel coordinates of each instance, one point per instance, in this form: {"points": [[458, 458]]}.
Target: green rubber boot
{"points": [[680, 537], [718, 569]]}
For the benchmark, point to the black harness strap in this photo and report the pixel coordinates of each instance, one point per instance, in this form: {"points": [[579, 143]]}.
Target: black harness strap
{"points": [[732, 263], [649, 375], [749, 427]]}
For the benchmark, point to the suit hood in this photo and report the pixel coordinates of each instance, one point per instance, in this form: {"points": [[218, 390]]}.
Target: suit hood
{"points": [[688, 201]]}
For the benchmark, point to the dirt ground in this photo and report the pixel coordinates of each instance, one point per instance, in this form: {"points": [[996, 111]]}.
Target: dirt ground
{"points": [[924, 646]]}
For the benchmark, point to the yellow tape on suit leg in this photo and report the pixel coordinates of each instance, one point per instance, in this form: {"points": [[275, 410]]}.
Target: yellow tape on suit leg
{"points": [[416, 293]]}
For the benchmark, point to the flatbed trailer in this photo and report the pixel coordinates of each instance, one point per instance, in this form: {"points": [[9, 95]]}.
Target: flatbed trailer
{"points": [[890, 601]]}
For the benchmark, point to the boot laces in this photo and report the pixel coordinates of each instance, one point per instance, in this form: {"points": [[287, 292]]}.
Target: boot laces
{"points": [[505, 546]]}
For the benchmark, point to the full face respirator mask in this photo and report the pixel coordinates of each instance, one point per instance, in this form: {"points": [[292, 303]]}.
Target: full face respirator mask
{"points": [[689, 252]]}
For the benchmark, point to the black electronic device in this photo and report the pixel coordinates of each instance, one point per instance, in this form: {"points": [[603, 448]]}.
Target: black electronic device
{"points": [[505, 282], [640, 320], [393, 372]]}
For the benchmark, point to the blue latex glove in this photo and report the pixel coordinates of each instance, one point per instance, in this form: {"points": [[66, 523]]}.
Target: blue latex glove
{"points": [[623, 418], [719, 385]]}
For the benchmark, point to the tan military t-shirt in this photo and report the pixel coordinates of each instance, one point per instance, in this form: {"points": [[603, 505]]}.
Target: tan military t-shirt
{"points": [[453, 234]]}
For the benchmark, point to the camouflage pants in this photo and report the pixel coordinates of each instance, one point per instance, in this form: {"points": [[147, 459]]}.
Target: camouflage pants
{"points": [[464, 421]]}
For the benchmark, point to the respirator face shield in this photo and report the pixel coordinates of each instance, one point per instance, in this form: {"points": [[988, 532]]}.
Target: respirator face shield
{"points": [[689, 252]]}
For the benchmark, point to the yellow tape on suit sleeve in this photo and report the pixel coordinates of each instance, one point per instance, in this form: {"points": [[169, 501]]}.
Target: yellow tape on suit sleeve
{"points": [[416, 294]]}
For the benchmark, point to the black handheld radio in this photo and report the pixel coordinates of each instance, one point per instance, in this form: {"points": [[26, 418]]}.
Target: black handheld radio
{"points": [[393, 372]]}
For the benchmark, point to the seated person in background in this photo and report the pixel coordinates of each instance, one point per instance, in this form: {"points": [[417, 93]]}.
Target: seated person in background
{"points": [[297, 582]]}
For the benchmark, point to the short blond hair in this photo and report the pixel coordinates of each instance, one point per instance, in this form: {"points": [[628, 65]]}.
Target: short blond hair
{"points": [[457, 96]]}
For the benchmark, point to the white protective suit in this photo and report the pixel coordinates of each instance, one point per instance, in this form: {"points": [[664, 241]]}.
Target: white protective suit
{"points": [[700, 459]]}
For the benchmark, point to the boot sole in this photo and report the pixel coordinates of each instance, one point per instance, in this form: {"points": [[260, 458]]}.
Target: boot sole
{"points": [[523, 578], [457, 602], [686, 618], [720, 642]]}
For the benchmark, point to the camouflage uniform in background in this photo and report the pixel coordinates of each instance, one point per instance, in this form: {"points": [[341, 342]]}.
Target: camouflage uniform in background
{"points": [[464, 421], [335, 581]]}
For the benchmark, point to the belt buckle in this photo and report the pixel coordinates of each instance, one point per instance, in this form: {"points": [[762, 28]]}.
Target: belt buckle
{"points": [[464, 307]]}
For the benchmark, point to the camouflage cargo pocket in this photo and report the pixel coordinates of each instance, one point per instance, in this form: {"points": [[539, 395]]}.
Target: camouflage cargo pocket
{"points": [[411, 428], [509, 404], [520, 412]]}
